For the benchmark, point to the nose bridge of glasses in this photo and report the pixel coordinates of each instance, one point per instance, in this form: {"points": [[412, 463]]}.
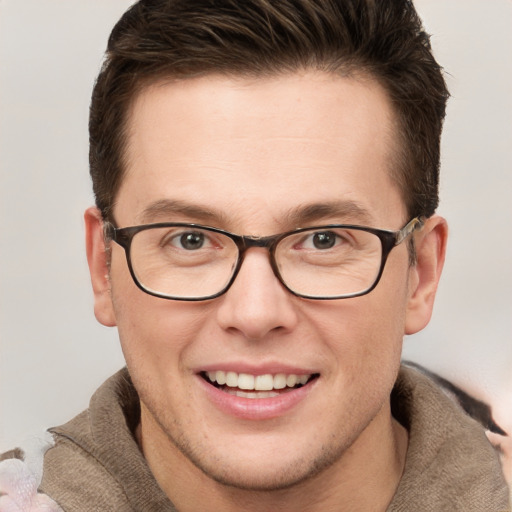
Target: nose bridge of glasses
{"points": [[245, 243]]}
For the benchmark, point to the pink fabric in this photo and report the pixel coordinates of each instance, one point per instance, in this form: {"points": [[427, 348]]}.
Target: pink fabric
{"points": [[18, 489]]}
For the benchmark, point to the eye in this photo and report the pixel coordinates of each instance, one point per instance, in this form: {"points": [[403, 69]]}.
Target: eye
{"points": [[190, 240], [322, 240]]}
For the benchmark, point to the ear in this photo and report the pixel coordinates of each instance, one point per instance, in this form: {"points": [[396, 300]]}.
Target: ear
{"points": [[97, 258], [430, 244]]}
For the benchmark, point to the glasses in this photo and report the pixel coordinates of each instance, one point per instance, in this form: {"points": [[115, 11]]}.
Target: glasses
{"points": [[191, 262]]}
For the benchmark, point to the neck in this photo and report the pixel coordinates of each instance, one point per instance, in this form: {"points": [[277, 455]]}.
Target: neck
{"points": [[364, 478]]}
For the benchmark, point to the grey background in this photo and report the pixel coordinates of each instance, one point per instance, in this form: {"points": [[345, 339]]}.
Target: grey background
{"points": [[53, 354]]}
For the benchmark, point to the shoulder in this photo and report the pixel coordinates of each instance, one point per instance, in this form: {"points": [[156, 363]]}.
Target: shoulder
{"points": [[80, 470], [450, 462], [54, 474], [68, 466], [78, 480]]}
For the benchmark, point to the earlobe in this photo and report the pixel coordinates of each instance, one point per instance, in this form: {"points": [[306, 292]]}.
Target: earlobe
{"points": [[424, 275], [97, 258]]}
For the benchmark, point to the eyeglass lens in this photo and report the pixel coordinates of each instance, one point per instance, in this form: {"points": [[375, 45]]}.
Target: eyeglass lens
{"points": [[186, 262]]}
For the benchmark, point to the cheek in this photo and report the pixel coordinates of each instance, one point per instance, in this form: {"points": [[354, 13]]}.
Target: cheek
{"points": [[363, 336], [364, 325], [157, 337], [383, 325], [154, 332]]}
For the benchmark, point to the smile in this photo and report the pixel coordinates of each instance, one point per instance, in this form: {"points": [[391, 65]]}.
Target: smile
{"points": [[245, 385]]}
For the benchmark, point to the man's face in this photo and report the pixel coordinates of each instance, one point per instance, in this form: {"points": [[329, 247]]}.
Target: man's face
{"points": [[252, 157]]}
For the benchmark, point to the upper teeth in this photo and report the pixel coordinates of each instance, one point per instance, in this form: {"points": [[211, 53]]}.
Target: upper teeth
{"points": [[265, 382]]}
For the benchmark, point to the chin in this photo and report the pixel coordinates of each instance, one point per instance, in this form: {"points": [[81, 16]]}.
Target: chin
{"points": [[264, 469], [265, 479]]}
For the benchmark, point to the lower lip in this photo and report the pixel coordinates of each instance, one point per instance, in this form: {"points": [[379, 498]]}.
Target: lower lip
{"points": [[256, 408]]}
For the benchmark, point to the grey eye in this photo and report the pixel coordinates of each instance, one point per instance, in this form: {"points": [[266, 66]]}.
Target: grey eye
{"points": [[324, 240], [192, 241]]}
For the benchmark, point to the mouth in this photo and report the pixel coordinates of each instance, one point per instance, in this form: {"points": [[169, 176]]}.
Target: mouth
{"points": [[245, 385]]}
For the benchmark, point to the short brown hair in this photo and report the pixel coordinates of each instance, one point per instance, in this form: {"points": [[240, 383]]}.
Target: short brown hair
{"points": [[188, 38]]}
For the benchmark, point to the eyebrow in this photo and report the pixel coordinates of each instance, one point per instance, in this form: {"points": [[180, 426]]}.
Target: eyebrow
{"points": [[167, 208], [343, 210], [299, 216]]}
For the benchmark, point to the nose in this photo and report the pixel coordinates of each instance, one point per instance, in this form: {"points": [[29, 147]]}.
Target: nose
{"points": [[257, 304]]}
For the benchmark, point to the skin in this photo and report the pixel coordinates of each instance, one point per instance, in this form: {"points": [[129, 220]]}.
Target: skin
{"points": [[247, 154]]}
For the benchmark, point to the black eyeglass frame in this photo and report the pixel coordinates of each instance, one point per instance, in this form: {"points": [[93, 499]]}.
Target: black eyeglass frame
{"points": [[389, 239]]}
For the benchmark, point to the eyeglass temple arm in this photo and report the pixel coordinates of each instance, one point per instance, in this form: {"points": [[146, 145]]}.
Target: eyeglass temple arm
{"points": [[109, 230], [409, 228]]}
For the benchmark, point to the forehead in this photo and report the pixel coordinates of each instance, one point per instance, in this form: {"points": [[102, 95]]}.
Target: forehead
{"points": [[250, 148]]}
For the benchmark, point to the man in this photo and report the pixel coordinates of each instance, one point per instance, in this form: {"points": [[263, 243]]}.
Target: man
{"points": [[264, 235]]}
